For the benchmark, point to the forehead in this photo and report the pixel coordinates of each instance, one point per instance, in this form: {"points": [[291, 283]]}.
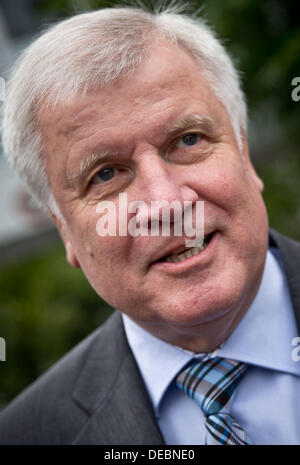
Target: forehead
{"points": [[166, 77]]}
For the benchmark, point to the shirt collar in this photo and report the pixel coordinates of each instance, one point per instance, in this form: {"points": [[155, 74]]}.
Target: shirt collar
{"points": [[157, 360], [262, 338]]}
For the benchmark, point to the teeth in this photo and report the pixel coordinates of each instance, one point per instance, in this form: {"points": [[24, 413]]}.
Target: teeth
{"points": [[172, 258], [187, 252], [184, 255], [196, 250]]}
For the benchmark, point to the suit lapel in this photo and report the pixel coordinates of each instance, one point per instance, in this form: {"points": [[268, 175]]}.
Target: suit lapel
{"points": [[110, 389], [290, 253]]}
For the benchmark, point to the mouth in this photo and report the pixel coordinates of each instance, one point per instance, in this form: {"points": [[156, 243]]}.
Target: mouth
{"points": [[186, 252]]}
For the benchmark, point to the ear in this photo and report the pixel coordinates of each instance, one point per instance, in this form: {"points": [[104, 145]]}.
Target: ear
{"points": [[253, 174], [70, 252]]}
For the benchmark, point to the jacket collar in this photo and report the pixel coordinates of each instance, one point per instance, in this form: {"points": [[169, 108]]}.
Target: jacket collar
{"points": [[110, 389], [290, 253]]}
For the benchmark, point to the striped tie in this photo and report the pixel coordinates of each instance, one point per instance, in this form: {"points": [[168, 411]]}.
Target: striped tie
{"points": [[211, 383]]}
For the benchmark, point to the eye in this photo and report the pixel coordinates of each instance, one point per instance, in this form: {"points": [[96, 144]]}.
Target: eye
{"points": [[188, 140], [104, 175]]}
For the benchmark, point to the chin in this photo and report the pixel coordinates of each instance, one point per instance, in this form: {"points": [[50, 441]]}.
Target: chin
{"points": [[200, 315], [213, 303]]}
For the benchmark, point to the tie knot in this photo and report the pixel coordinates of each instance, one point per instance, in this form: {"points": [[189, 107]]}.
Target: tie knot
{"points": [[211, 382]]}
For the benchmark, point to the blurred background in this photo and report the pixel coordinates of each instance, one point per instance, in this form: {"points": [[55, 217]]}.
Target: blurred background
{"points": [[46, 307]]}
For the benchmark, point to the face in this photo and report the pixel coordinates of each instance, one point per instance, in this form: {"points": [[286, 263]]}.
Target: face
{"points": [[160, 134]]}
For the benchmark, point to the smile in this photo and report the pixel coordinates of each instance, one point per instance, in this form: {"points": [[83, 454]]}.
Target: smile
{"points": [[186, 252]]}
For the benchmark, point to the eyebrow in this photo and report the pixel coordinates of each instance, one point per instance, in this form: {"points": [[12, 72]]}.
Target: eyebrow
{"points": [[88, 164], [205, 123]]}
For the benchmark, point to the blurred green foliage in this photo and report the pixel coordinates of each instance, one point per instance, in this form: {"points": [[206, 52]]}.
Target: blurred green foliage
{"points": [[262, 37], [46, 306]]}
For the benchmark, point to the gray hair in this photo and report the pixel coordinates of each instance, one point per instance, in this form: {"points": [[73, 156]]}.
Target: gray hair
{"points": [[91, 50]]}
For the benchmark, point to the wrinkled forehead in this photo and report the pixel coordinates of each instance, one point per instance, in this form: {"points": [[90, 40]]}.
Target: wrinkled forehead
{"points": [[168, 71]]}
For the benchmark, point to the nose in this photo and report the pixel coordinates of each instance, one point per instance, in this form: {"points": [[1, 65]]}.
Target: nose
{"points": [[159, 180], [163, 187]]}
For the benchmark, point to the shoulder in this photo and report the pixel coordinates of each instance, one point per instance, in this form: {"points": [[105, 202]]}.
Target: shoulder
{"points": [[47, 412], [279, 240], [290, 256], [290, 252]]}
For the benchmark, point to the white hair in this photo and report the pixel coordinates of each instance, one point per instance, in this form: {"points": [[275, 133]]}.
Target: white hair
{"points": [[91, 50]]}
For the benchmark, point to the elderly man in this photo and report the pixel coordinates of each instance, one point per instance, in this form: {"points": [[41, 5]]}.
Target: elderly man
{"points": [[199, 351]]}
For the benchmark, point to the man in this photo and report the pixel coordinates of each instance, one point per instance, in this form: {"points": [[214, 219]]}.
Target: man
{"points": [[121, 101]]}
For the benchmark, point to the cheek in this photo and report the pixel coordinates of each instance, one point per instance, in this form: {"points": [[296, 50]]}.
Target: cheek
{"points": [[102, 258], [107, 266], [230, 188], [95, 251], [224, 184], [82, 226]]}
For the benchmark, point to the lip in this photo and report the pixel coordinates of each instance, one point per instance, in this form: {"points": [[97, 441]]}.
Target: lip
{"points": [[176, 248], [198, 259]]}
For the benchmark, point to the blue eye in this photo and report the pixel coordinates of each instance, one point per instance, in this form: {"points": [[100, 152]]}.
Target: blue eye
{"points": [[105, 175], [190, 139]]}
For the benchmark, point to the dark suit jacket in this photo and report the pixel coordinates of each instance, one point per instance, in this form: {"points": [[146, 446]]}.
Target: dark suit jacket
{"points": [[95, 394]]}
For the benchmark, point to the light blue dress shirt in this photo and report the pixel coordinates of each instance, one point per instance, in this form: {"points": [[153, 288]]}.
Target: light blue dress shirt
{"points": [[267, 400]]}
